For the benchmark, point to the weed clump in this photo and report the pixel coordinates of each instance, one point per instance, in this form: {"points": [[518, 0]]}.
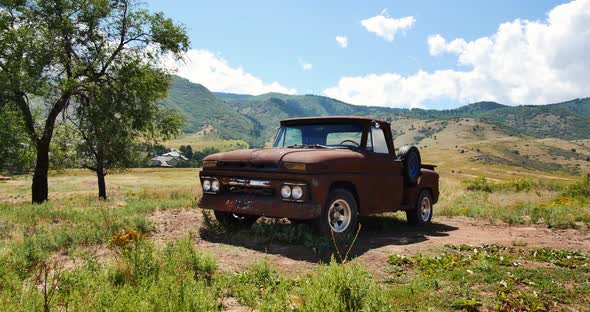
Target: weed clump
{"points": [[515, 185], [182, 255], [480, 184], [260, 285], [510, 279], [343, 287], [300, 234], [580, 188]]}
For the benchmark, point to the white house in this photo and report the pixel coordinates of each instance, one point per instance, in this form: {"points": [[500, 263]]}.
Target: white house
{"points": [[169, 159]]}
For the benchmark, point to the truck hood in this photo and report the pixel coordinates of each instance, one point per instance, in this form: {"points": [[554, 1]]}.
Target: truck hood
{"points": [[299, 155]]}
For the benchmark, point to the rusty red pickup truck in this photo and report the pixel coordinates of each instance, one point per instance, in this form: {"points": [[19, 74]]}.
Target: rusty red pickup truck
{"points": [[329, 170]]}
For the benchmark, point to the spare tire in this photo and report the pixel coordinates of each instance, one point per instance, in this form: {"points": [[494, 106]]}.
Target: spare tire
{"points": [[410, 158]]}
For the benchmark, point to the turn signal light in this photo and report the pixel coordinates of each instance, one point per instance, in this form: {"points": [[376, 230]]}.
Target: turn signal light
{"points": [[295, 166]]}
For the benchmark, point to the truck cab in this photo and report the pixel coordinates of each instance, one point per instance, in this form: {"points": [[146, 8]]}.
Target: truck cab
{"points": [[329, 170]]}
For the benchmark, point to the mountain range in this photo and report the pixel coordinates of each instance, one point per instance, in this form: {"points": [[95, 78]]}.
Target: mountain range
{"points": [[254, 119]]}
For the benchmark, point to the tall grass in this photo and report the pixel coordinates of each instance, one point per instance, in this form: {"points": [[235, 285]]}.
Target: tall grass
{"points": [[178, 277], [567, 207], [514, 185]]}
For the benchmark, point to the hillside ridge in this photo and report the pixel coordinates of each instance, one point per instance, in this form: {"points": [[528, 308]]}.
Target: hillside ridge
{"points": [[254, 118]]}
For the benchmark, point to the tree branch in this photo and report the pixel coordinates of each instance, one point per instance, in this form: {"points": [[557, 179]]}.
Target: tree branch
{"points": [[119, 48], [57, 108], [23, 104]]}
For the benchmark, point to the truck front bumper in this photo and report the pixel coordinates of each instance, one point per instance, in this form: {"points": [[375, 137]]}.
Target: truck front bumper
{"points": [[260, 206]]}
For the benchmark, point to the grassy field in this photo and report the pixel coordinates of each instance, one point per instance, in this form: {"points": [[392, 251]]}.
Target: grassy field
{"points": [[198, 141], [78, 253]]}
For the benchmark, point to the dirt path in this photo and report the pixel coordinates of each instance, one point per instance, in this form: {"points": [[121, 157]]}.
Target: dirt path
{"points": [[372, 248]]}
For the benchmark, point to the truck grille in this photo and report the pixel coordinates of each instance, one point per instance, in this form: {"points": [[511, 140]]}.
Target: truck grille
{"points": [[250, 190], [241, 165], [248, 186]]}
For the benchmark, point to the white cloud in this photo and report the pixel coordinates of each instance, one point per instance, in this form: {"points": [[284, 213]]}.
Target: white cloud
{"points": [[387, 27], [342, 41], [214, 72], [305, 65], [524, 62], [392, 89]]}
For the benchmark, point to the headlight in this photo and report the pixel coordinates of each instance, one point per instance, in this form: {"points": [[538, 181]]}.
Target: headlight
{"points": [[297, 192], [295, 166], [209, 163], [215, 186], [206, 185], [286, 191]]}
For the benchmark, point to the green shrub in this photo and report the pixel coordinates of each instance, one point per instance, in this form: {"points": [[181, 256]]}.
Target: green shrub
{"points": [[301, 234], [580, 188], [479, 184], [519, 185], [343, 287], [139, 264], [259, 284], [182, 254], [514, 185]]}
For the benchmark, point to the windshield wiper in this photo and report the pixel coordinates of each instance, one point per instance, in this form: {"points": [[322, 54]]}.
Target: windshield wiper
{"points": [[308, 146]]}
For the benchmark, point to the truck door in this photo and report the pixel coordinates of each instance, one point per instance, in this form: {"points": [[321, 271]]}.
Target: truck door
{"points": [[385, 174]]}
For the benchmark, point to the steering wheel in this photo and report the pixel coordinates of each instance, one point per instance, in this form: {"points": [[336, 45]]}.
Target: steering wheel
{"points": [[351, 141]]}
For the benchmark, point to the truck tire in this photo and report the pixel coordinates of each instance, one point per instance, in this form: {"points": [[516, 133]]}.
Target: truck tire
{"points": [[412, 162], [422, 213], [229, 219], [339, 215]]}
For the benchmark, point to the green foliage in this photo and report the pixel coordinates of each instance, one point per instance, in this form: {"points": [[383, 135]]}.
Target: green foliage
{"points": [[343, 288], [195, 158], [482, 184], [505, 278], [207, 113], [300, 234], [116, 117], [479, 184], [64, 153], [580, 188], [16, 152], [570, 209], [258, 285], [183, 253], [102, 51], [466, 304], [140, 275]]}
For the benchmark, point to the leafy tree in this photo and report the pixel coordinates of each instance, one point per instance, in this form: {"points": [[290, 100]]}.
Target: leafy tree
{"points": [[16, 154], [64, 147], [199, 155], [53, 52], [119, 115], [187, 151]]}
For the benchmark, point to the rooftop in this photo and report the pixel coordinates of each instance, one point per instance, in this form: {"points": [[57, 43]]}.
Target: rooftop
{"points": [[331, 119]]}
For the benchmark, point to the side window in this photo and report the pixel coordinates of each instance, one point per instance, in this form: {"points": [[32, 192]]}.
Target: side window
{"points": [[379, 144], [292, 137]]}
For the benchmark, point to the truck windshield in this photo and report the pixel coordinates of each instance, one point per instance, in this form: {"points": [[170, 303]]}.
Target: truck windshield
{"points": [[319, 136]]}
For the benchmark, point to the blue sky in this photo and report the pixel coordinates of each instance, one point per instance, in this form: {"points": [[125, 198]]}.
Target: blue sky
{"points": [[271, 42]]}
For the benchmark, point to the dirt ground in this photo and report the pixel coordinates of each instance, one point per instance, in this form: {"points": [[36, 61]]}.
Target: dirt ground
{"points": [[372, 247]]}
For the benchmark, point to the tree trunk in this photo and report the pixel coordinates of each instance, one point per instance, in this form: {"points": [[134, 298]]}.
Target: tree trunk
{"points": [[40, 185], [102, 188]]}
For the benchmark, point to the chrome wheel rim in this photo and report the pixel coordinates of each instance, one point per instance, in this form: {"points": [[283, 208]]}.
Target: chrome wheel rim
{"points": [[425, 209], [238, 217], [339, 215]]}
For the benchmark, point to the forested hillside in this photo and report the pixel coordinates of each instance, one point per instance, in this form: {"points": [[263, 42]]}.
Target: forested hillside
{"points": [[255, 118], [205, 112]]}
